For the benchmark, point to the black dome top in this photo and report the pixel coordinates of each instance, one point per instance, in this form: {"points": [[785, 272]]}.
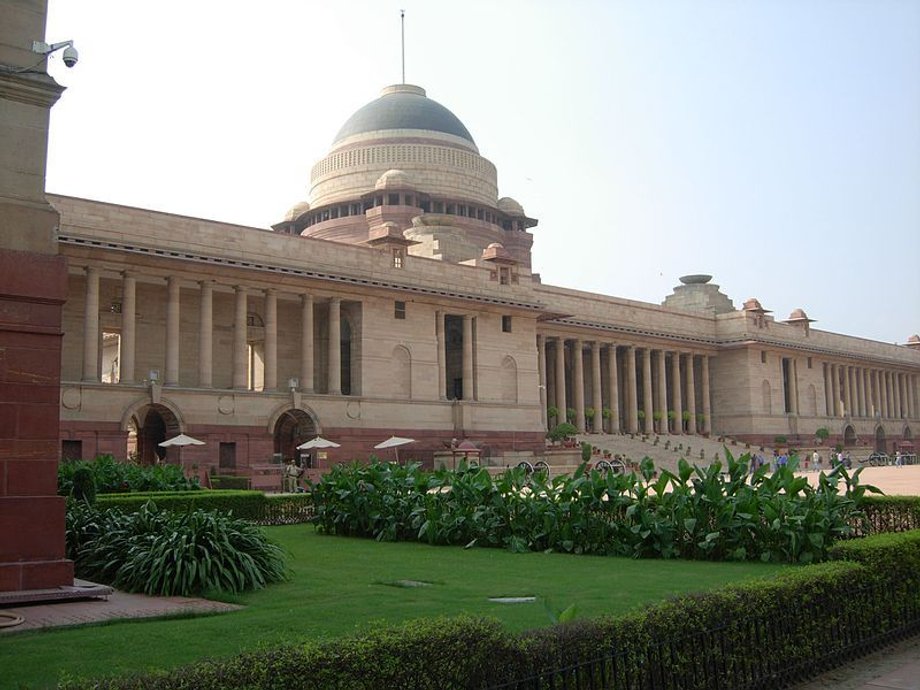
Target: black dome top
{"points": [[404, 106]]}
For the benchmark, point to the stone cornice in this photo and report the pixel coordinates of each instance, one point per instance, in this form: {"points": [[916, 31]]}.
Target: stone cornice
{"points": [[31, 88]]}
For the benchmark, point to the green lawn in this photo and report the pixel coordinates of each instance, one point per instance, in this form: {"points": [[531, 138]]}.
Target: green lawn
{"points": [[339, 585]]}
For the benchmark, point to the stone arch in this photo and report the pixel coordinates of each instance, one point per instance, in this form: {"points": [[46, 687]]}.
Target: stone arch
{"points": [[281, 410], [291, 428], [766, 395], [508, 380], [401, 372], [880, 438], [849, 436], [132, 412], [154, 423], [907, 435], [811, 400]]}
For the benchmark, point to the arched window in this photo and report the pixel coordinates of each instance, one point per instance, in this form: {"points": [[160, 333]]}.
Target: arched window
{"points": [[767, 397], [401, 372], [508, 381]]}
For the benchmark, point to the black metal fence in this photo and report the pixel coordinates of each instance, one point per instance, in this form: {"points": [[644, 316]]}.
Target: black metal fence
{"points": [[750, 653]]}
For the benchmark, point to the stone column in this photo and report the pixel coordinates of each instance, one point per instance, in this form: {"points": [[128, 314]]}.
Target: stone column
{"points": [[886, 394], [794, 385], [91, 326], [541, 376], [835, 389], [206, 334], [597, 401], [896, 385], [676, 393], [828, 393], [861, 392], [632, 392], [647, 406], [306, 343], [691, 395], [614, 397], [334, 353], [578, 384], [876, 394], [172, 332], [468, 388], [662, 401], [561, 402], [128, 328], [847, 391], [442, 367], [240, 344], [707, 404], [271, 341]]}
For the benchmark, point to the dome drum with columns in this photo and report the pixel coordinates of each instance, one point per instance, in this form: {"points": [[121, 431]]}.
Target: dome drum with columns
{"points": [[406, 159]]}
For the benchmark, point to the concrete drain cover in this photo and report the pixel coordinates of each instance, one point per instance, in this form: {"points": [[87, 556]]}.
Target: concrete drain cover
{"points": [[512, 600]]}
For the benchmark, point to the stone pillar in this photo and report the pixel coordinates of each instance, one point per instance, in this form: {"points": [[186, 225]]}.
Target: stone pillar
{"points": [[886, 394], [828, 393], [172, 332], [334, 353], [691, 395], [794, 385], [896, 390], [306, 343], [541, 375], [847, 391], [597, 395], [676, 393], [442, 366], [91, 326], [707, 403], [578, 384], [876, 394], [206, 335], [240, 343], [271, 341], [128, 328], [614, 396], [647, 406], [561, 402], [835, 389], [861, 392], [632, 392], [662, 401], [467, 362]]}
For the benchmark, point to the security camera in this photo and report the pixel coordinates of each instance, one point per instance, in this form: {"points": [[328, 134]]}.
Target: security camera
{"points": [[70, 56]]}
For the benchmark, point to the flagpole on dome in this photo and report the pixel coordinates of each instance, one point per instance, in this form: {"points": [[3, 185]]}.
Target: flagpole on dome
{"points": [[402, 30]]}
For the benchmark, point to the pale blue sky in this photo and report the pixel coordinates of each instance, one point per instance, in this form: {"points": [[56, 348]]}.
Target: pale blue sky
{"points": [[774, 144]]}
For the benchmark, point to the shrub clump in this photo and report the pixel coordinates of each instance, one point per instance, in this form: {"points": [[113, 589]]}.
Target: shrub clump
{"points": [[698, 513], [163, 553], [111, 476]]}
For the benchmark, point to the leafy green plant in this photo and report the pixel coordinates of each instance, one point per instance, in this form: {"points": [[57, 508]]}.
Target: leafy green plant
{"points": [[112, 476], [780, 440], [83, 485], [586, 451], [560, 432], [552, 412], [590, 413], [570, 414], [822, 434], [163, 553]]}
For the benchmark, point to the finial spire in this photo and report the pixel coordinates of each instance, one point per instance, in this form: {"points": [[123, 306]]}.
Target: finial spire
{"points": [[402, 28]]}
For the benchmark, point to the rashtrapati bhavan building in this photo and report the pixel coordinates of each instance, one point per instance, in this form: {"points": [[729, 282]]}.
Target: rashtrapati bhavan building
{"points": [[400, 299]]}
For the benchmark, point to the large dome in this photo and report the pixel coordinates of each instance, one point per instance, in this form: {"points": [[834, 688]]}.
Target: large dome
{"points": [[403, 106]]}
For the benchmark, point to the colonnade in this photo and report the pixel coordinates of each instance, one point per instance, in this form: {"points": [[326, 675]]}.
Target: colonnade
{"points": [[861, 391], [635, 393], [173, 338]]}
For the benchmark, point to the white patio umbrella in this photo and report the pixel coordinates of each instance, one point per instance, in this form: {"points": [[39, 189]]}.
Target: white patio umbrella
{"points": [[394, 442], [180, 441], [318, 442]]}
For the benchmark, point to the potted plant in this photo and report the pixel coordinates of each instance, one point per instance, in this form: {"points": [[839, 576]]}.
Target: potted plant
{"points": [[561, 432], [590, 414], [685, 419], [672, 416], [822, 434], [570, 415], [552, 413], [606, 414]]}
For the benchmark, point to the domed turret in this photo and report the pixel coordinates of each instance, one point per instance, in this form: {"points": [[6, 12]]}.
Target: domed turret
{"points": [[510, 206], [393, 179], [296, 211]]}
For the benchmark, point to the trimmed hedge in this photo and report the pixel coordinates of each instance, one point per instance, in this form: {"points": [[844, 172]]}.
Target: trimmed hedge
{"points": [[249, 505], [765, 633], [889, 514], [255, 506]]}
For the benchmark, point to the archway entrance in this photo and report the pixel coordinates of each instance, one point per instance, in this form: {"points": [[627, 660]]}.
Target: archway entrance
{"points": [[292, 428], [849, 437], [154, 424], [880, 440]]}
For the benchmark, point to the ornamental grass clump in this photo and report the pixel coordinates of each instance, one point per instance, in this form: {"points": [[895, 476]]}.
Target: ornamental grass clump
{"points": [[164, 553], [697, 513]]}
